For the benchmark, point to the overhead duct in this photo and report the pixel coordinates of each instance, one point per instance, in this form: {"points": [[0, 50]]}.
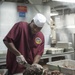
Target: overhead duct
{"points": [[68, 1], [2, 1], [35, 1]]}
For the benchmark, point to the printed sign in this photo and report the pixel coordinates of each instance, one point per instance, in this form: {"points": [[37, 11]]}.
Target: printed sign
{"points": [[21, 14], [22, 8]]}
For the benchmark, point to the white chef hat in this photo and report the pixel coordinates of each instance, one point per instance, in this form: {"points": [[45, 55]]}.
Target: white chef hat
{"points": [[39, 20]]}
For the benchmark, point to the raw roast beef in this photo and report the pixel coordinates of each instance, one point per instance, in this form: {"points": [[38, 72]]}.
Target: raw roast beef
{"points": [[33, 70]]}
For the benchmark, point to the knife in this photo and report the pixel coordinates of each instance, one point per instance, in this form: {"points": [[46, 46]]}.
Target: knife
{"points": [[26, 65], [59, 68]]}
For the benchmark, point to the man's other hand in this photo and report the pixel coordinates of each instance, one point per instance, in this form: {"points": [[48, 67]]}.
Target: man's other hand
{"points": [[21, 60]]}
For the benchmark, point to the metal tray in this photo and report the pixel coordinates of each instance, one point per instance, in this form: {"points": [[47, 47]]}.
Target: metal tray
{"points": [[66, 66]]}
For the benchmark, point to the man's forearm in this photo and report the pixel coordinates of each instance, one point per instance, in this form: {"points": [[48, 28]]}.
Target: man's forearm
{"points": [[37, 59], [12, 48]]}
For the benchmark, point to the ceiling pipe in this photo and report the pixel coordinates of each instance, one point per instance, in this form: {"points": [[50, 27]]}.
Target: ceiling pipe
{"points": [[61, 8], [3, 0], [30, 1]]}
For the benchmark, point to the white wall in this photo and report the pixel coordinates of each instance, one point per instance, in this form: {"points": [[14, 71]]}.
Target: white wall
{"points": [[9, 16]]}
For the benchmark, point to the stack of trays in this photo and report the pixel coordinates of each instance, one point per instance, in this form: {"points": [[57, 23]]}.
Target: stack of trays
{"points": [[54, 50]]}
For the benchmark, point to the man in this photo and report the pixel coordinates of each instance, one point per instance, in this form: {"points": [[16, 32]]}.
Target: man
{"points": [[25, 44]]}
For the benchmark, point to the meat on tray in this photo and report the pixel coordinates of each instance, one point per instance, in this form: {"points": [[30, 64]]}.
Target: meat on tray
{"points": [[33, 70]]}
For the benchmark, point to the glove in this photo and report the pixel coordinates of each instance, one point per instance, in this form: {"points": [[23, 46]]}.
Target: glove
{"points": [[38, 66], [21, 60]]}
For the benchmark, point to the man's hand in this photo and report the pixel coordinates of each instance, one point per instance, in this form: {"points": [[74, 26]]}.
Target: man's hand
{"points": [[34, 69], [38, 66], [21, 60]]}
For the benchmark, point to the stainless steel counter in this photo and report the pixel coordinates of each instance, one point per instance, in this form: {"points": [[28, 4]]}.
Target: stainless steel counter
{"points": [[3, 71], [3, 59]]}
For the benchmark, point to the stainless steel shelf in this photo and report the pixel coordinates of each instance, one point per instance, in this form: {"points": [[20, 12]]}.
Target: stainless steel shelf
{"points": [[67, 55]]}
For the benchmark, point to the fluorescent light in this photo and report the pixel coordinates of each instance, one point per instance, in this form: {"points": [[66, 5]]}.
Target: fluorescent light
{"points": [[53, 14], [69, 1]]}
